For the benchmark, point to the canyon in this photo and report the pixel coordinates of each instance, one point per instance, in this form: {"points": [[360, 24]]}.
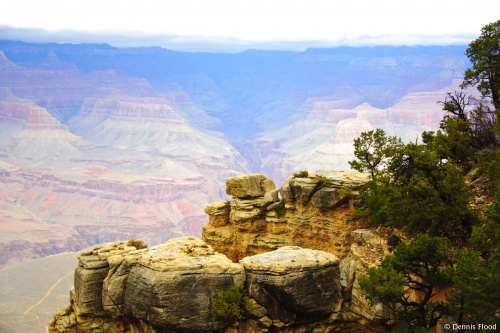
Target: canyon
{"points": [[100, 144]]}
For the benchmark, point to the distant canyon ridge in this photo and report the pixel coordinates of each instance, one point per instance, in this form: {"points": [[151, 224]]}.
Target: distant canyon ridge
{"points": [[99, 144]]}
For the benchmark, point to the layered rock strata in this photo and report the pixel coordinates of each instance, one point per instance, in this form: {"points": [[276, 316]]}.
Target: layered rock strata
{"points": [[127, 286], [367, 250], [293, 284], [312, 212], [293, 251], [170, 285]]}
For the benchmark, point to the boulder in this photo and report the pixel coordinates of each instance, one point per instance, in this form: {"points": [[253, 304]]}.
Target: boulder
{"points": [[249, 185], [171, 285], [327, 197], [367, 237], [270, 198], [335, 188], [245, 209], [293, 284], [218, 213], [92, 269]]}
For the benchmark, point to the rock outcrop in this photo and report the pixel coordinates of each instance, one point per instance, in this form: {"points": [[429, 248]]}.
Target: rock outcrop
{"points": [[367, 250], [127, 287], [295, 281], [312, 213], [294, 285], [170, 285]]}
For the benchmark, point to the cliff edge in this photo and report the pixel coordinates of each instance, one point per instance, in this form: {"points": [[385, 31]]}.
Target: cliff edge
{"points": [[296, 257], [312, 212]]}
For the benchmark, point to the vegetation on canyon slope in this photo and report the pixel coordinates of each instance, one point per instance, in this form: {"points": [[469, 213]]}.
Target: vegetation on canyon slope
{"points": [[421, 188]]}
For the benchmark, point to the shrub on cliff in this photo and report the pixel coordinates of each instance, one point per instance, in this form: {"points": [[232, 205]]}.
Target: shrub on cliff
{"points": [[231, 304], [301, 174], [373, 151], [410, 279], [412, 187]]}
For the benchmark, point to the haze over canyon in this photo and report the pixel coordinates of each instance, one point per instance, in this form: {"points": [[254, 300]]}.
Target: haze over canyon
{"points": [[99, 144]]}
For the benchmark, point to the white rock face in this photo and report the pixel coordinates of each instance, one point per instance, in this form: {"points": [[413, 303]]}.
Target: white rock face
{"points": [[289, 259], [293, 284]]}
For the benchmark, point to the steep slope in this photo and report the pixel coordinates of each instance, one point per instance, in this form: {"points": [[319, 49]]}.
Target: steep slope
{"points": [[29, 131]]}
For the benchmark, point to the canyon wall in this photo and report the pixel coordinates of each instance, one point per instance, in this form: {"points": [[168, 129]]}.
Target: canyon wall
{"points": [[99, 143], [126, 161]]}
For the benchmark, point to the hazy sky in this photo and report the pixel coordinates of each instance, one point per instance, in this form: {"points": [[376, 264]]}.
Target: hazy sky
{"points": [[249, 22]]}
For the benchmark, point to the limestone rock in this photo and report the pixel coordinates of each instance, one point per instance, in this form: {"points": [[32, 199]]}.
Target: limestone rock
{"points": [[217, 208], [293, 284], [366, 236], [249, 185], [92, 269], [323, 194], [88, 284], [367, 250], [289, 258], [245, 209], [310, 214], [218, 213], [270, 198], [171, 285]]}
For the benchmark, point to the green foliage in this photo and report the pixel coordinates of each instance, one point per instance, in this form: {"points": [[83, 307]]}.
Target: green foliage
{"points": [[476, 286], [417, 178], [452, 142], [456, 103], [321, 180], [280, 208], [423, 266], [482, 126], [372, 150], [494, 172], [231, 304], [480, 119], [468, 126], [421, 189], [478, 271], [484, 53], [346, 192], [301, 174], [378, 201]]}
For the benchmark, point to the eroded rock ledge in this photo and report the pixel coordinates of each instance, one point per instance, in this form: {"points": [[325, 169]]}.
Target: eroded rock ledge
{"points": [[278, 254], [312, 213]]}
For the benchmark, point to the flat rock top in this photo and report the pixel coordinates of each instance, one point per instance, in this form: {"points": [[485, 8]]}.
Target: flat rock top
{"points": [[289, 259], [220, 207], [97, 257], [249, 185], [337, 178], [187, 254]]}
